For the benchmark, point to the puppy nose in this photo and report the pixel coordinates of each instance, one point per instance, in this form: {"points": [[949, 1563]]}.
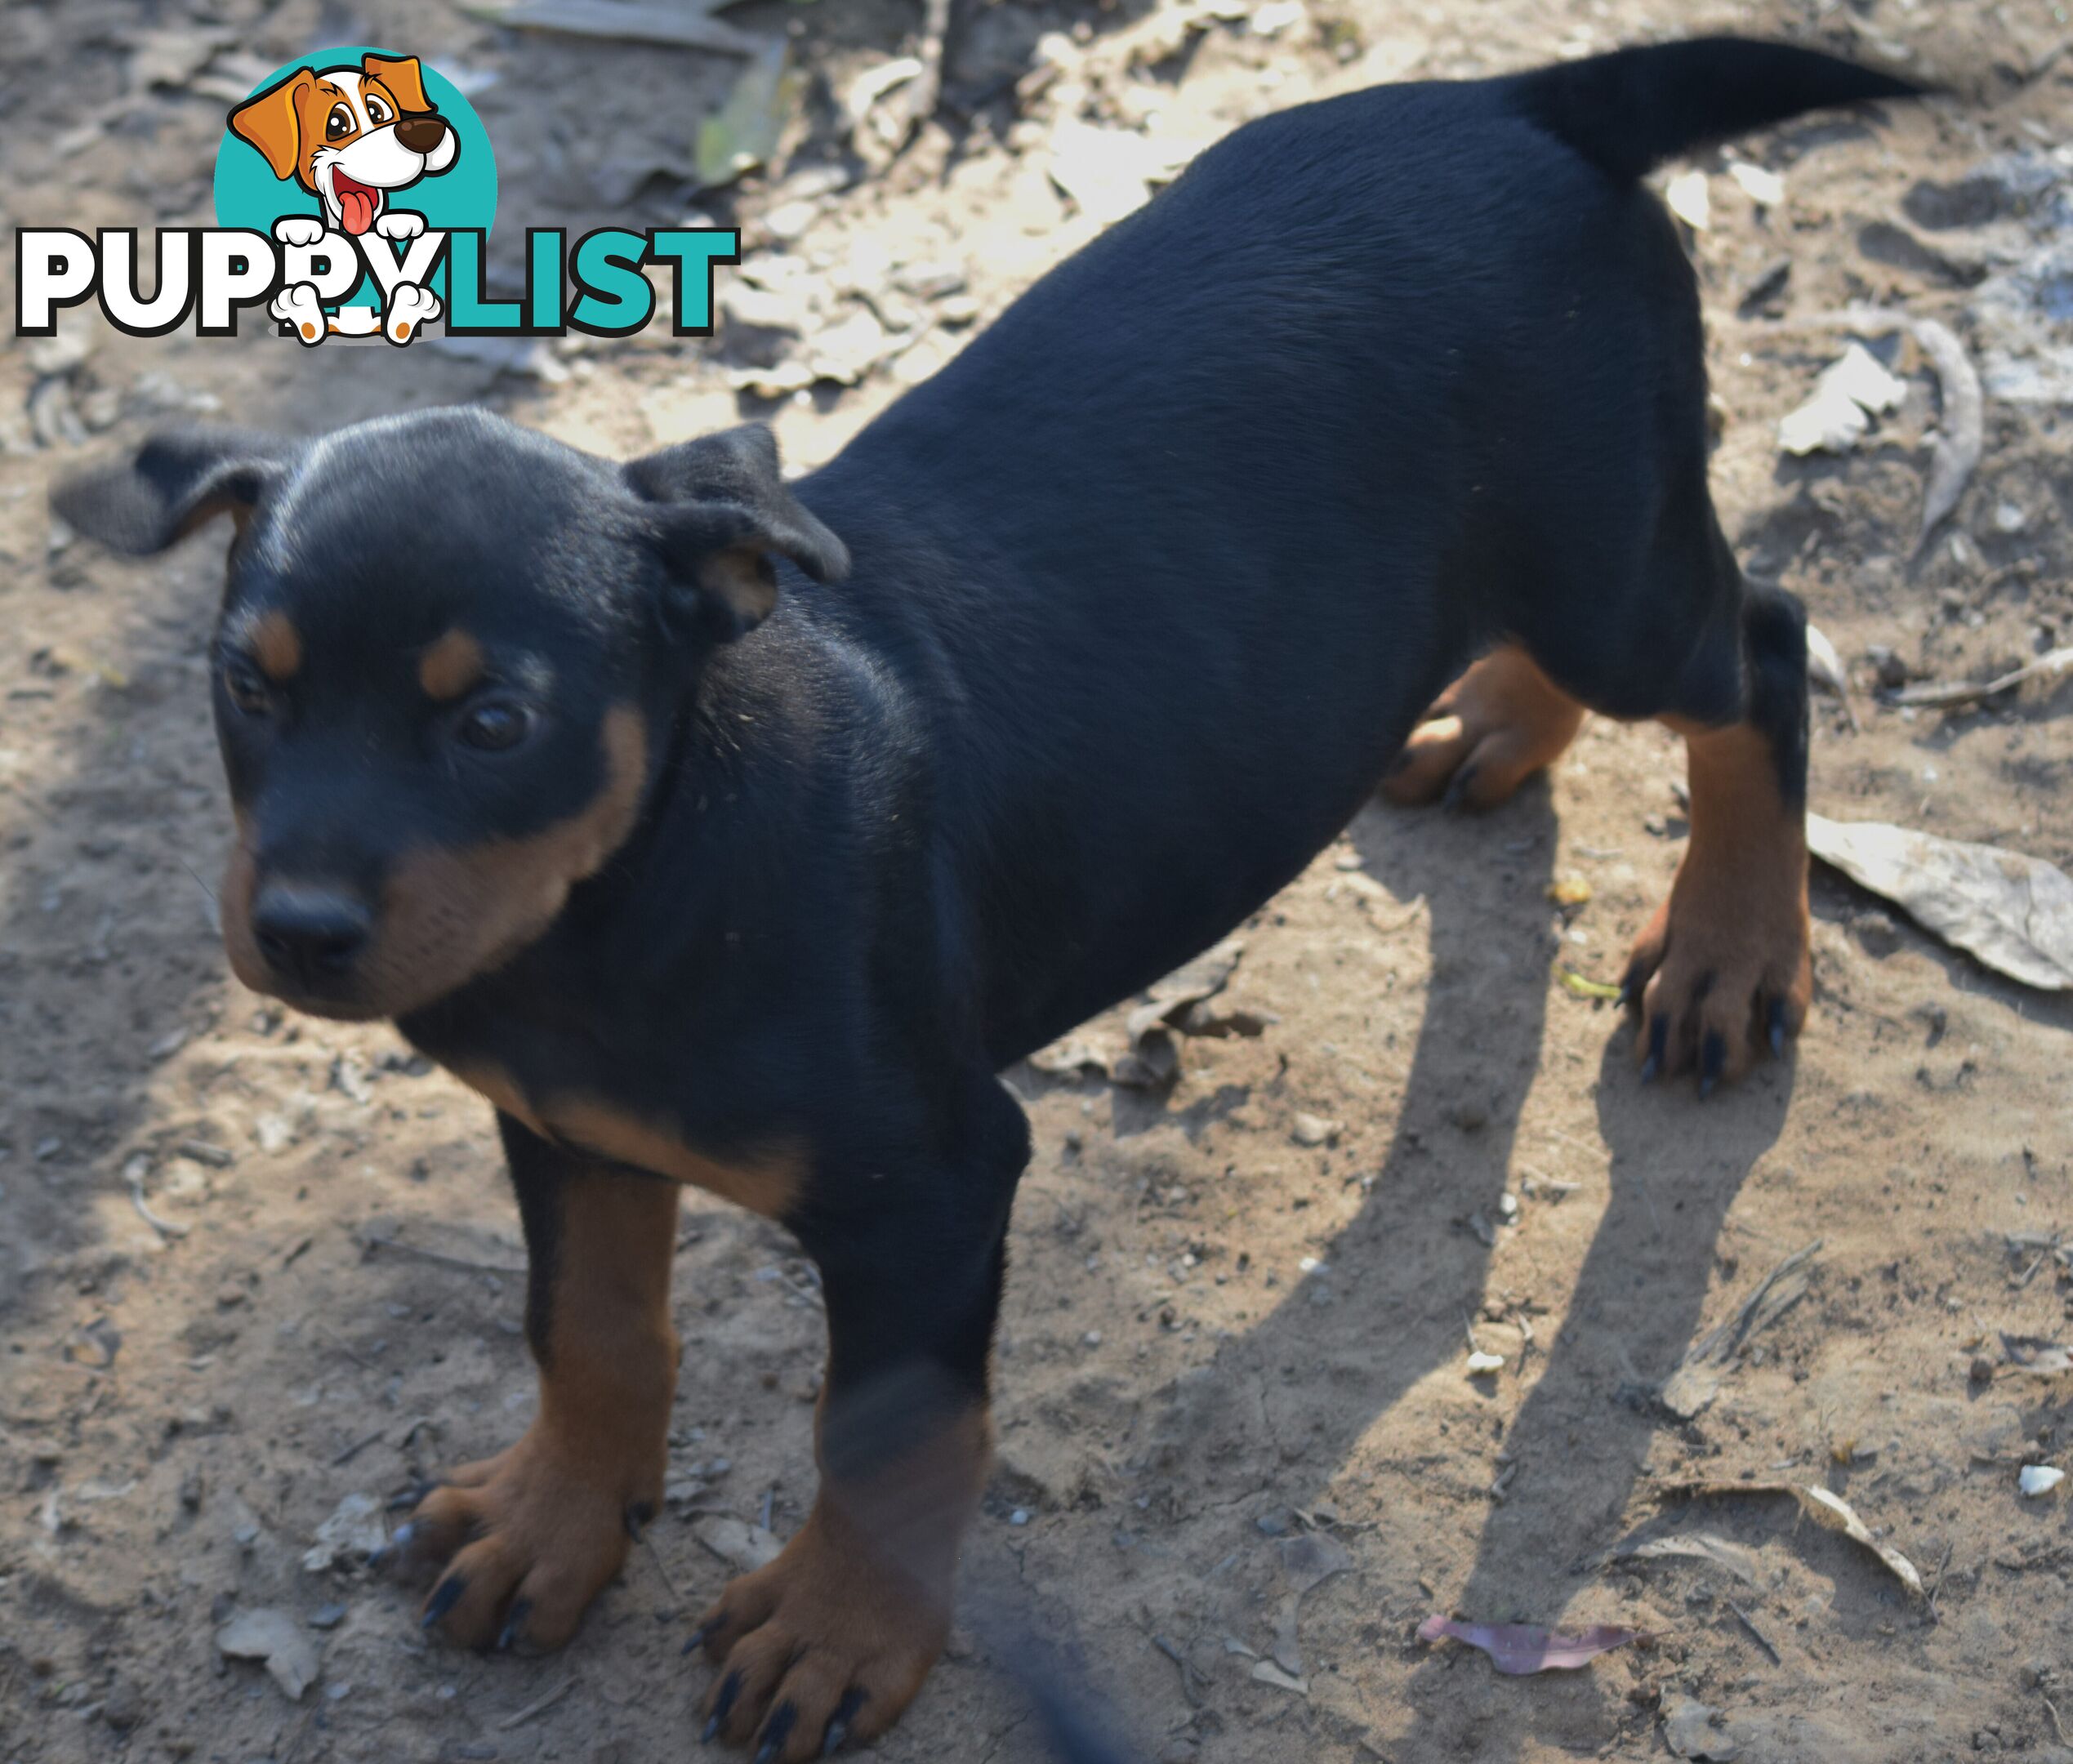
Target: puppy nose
{"points": [[309, 932], [421, 134]]}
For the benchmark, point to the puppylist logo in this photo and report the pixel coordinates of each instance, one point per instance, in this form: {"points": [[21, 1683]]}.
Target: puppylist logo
{"points": [[355, 191]]}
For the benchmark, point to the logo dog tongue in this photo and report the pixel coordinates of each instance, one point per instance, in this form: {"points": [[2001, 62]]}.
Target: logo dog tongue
{"points": [[356, 203]]}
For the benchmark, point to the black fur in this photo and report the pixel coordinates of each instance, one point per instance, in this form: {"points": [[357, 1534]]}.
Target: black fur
{"points": [[1144, 592]]}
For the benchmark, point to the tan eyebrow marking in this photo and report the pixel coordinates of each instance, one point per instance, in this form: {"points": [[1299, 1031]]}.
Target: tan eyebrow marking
{"points": [[451, 665], [277, 646]]}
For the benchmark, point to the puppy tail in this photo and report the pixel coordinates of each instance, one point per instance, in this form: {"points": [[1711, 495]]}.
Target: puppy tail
{"points": [[1628, 111]]}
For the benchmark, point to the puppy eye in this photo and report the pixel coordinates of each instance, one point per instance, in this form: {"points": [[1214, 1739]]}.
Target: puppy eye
{"points": [[494, 726], [243, 687], [338, 123], [377, 111]]}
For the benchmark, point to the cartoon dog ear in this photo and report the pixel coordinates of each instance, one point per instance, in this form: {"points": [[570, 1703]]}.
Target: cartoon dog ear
{"points": [[721, 512], [271, 123], [141, 502], [405, 78]]}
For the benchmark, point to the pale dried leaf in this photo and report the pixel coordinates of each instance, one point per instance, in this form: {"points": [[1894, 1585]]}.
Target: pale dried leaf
{"points": [[2013, 913], [1518, 1648]]}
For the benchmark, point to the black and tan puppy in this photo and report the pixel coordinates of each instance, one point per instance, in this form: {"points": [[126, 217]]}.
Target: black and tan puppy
{"points": [[724, 832]]}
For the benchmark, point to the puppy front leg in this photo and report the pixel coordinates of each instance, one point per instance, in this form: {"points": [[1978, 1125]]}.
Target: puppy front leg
{"points": [[829, 1643], [530, 1536]]}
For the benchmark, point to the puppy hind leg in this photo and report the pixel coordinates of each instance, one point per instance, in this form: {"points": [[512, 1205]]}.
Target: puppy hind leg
{"points": [[1494, 727], [1724, 968]]}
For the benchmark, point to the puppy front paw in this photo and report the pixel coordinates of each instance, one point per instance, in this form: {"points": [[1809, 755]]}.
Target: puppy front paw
{"points": [[526, 1539], [821, 1648], [409, 308], [297, 305], [400, 224], [298, 230]]}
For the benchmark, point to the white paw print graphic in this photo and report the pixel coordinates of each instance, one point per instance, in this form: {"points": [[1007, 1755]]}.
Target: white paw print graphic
{"points": [[298, 306], [410, 306], [298, 230], [400, 224]]}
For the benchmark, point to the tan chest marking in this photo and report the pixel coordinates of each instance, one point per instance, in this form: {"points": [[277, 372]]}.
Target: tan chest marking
{"points": [[765, 1184]]}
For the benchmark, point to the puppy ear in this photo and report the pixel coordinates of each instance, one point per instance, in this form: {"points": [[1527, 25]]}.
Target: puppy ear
{"points": [[405, 78], [271, 122], [141, 502], [720, 513]]}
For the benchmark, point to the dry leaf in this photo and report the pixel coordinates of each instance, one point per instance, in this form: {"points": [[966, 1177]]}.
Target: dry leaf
{"points": [[1737, 1559], [2015, 913], [1825, 1509], [737, 1543], [278, 1640], [1518, 1648]]}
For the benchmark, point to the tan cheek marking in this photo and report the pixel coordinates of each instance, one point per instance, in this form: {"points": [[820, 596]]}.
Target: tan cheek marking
{"points": [[450, 915], [277, 646], [452, 665]]}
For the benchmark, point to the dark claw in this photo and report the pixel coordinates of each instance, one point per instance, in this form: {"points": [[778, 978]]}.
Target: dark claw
{"points": [[699, 1634], [398, 1542], [776, 1731], [1713, 1062], [1457, 787], [838, 1726], [730, 1687], [636, 1517], [403, 1499], [1777, 1028], [1658, 1048], [514, 1623], [445, 1595]]}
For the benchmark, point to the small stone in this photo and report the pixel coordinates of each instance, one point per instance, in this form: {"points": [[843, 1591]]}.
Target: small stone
{"points": [[1877, 935], [1313, 1129], [1982, 1370], [123, 1707], [1892, 673]]}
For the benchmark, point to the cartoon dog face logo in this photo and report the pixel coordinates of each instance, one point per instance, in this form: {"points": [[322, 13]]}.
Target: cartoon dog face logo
{"points": [[351, 135]]}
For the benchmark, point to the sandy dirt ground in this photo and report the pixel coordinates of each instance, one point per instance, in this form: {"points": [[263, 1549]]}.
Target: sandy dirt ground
{"points": [[1234, 1358]]}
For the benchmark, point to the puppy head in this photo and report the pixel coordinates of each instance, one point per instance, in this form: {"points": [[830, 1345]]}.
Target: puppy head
{"points": [[349, 134], [448, 652]]}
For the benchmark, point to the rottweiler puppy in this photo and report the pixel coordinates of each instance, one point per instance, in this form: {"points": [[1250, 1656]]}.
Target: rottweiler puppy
{"points": [[728, 831]]}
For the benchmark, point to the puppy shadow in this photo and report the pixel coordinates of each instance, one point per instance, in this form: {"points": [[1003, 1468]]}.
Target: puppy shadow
{"points": [[1288, 1400], [1581, 1438]]}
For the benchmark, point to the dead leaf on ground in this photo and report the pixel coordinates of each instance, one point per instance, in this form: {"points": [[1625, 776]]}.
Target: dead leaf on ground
{"points": [[682, 24], [276, 1638], [737, 1543], [744, 133], [1517, 1649], [1307, 1562], [2033, 1353], [2013, 913], [1692, 1730], [1737, 1559], [1688, 1391], [1828, 1510]]}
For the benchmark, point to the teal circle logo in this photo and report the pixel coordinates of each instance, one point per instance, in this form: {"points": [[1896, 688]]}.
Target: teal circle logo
{"points": [[251, 193], [364, 141]]}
